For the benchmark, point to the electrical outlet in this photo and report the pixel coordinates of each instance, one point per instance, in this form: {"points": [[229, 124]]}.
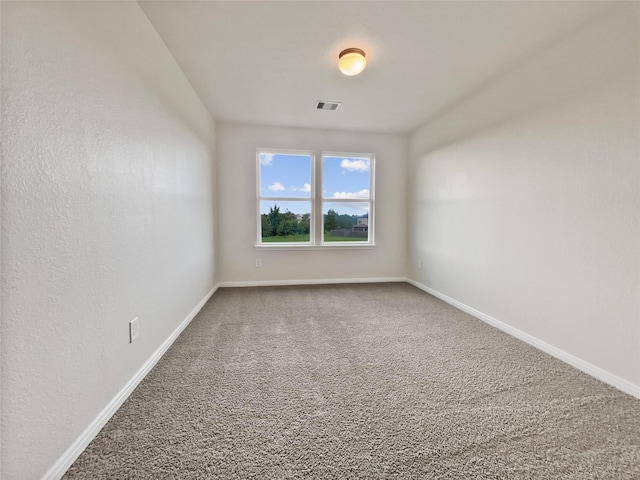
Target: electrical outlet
{"points": [[258, 262], [133, 330], [419, 264]]}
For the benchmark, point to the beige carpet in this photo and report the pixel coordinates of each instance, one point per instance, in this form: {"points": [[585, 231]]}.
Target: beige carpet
{"points": [[374, 381]]}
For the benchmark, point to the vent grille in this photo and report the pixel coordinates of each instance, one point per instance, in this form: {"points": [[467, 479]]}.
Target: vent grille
{"points": [[327, 105]]}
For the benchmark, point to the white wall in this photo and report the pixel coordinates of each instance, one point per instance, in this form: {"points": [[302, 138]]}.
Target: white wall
{"points": [[237, 146], [526, 196], [107, 215]]}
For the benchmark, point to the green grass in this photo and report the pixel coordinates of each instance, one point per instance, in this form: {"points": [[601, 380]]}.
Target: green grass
{"points": [[330, 238], [305, 238], [288, 238]]}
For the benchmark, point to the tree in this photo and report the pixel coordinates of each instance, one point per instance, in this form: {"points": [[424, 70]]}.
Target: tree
{"points": [[287, 227], [346, 221], [304, 224], [330, 220], [267, 230], [274, 219], [287, 224]]}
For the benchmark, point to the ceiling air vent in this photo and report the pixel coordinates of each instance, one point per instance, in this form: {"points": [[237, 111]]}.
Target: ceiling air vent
{"points": [[327, 105]]}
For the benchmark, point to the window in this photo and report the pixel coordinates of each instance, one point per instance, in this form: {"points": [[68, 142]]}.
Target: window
{"points": [[290, 213], [347, 200], [285, 184]]}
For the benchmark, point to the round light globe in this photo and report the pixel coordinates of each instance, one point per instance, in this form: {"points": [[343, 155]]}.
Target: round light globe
{"points": [[351, 61]]}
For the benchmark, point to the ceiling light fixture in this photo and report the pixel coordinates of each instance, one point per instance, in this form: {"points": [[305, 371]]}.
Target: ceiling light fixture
{"points": [[351, 61]]}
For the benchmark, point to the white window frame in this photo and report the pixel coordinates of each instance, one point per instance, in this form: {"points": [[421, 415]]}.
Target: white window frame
{"points": [[261, 198], [322, 199], [316, 218]]}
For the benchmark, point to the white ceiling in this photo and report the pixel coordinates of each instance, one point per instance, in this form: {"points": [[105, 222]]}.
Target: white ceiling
{"points": [[268, 62]]}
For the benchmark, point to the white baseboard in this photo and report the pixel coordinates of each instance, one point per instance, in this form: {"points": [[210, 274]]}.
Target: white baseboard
{"points": [[588, 368], [316, 281], [73, 452]]}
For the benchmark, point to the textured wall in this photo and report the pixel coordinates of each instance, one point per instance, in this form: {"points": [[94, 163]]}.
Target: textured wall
{"points": [[526, 197], [107, 214], [237, 222]]}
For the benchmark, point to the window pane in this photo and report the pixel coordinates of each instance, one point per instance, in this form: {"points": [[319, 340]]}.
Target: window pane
{"points": [[285, 175], [285, 221], [346, 222], [346, 177]]}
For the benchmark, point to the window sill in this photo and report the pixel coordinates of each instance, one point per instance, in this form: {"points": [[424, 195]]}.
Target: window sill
{"points": [[336, 246]]}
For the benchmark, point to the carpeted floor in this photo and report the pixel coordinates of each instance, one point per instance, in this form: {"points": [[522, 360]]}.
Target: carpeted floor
{"points": [[377, 381]]}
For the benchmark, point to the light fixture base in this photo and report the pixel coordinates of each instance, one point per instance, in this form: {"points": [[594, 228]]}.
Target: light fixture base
{"points": [[351, 50]]}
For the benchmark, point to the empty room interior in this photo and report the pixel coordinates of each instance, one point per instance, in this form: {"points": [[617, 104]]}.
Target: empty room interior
{"points": [[227, 255]]}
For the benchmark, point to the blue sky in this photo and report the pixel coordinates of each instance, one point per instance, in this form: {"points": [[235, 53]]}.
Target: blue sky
{"points": [[289, 176]]}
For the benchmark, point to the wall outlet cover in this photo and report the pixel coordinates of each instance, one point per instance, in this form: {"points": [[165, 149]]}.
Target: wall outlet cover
{"points": [[133, 330]]}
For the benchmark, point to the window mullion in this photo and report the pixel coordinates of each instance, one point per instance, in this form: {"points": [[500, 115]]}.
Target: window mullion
{"points": [[317, 201]]}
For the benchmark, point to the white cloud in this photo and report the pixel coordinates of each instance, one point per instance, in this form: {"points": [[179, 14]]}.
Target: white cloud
{"points": [[356, 165], [266, 158], [306, 188], [364, 193], [276, 187]]}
